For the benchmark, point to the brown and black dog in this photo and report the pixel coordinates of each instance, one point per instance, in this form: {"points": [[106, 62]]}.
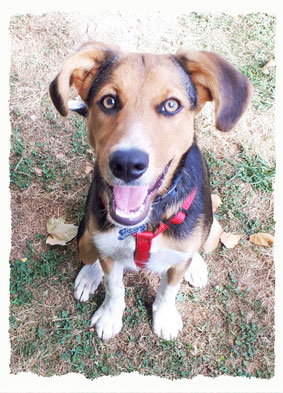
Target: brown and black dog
{"points": [[149, 204]]}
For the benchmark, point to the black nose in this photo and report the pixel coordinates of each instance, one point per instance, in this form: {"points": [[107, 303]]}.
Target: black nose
{"points": [[128, 165]]}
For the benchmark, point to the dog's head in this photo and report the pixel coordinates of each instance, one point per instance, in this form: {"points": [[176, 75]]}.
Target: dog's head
{"points": [[140, 110]]}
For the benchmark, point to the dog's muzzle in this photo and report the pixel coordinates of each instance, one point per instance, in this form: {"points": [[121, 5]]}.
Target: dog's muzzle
{"points": [[130, 205], [128, 165]]}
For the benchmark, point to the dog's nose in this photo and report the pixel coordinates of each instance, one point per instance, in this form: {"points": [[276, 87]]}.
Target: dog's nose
{"points": [[128, 165]]}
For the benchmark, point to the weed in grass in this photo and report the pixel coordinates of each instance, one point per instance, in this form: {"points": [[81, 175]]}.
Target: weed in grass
{"points": [[49, 115], [239, 356], [23, 173], [27, 348], [21, 168], [176, 358], [27, 272], [228, 177], [217, 169], [17, 142], [63, 327], [76, 212], [21, 278], [137, 314], [79, 138], [265, 84], [253, 170], [259, 31]]}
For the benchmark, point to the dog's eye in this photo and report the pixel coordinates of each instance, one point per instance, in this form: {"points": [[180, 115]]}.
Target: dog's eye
{"points": [[108, 102], [170, 107]]}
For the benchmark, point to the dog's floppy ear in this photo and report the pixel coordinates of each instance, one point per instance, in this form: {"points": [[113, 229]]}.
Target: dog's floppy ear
{"points": [[80, 70], [216, 79]]}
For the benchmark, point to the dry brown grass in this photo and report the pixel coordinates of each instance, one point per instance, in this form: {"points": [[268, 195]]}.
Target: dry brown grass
{"points": [[215, 316]]}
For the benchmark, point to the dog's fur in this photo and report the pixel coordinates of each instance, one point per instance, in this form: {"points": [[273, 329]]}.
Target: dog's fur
{"points": [[142, 85]]}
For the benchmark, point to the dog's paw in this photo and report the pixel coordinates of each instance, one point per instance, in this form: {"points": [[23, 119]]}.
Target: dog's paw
{"points": [[87, 281], [197, 274], [167, 322], [108, 318]]}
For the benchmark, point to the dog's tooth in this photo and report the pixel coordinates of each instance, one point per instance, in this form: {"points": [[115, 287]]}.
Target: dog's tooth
{"points": [[130, 214]]}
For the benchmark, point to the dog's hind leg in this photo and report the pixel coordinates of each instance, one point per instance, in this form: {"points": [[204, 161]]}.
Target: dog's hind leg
{"points": [[197, 274]]}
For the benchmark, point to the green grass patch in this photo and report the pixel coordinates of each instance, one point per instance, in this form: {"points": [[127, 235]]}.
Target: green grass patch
{"points": [[230, 178], [254, 170], [28, 272], [39, 164], [250, 35]]}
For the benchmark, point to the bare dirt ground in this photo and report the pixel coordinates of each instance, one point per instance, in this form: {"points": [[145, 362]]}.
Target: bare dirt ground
{"points": [[228, 325]]}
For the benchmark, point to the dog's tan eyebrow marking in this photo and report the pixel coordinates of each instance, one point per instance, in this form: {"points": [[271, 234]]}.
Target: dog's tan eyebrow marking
{"points": [[102, 76], [187, 83]]}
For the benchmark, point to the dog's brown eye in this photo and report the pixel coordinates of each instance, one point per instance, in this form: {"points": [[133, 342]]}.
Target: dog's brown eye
{"points": [[108, 102], [171, 105]]}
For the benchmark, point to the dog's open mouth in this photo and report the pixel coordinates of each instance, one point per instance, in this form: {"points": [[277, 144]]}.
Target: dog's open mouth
{"points": [[130, 205]]}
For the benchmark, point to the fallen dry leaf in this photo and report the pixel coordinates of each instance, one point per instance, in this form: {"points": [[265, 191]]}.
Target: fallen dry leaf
{"points": [[38, 171], [262, 239], [24, 259], [230, 240], [53, 241], [88, 169], [60, 233], [213, 237], [265, 68], [216, 202]]}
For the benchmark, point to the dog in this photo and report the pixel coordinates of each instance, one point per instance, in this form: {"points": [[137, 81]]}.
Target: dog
{"points": [[149, 203]]}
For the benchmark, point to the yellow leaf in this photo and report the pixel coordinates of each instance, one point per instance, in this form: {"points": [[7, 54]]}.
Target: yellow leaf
{"points": [[262, 239], [24, 259], [52, 222], [53, 241], [230, 240], [60, 233], [216, 202]]}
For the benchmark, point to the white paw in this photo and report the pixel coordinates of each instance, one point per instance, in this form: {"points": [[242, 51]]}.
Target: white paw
{"points": [[197, 274], [87, 281], [108, 318], [167, 322]]}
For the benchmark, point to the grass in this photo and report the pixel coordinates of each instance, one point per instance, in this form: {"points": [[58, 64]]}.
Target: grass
{"points": [[228, 326], [255, 171], [244, 31], [240, 181]]}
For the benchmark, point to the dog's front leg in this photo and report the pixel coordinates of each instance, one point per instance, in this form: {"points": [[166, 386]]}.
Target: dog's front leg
{"points": [[108, 318], [167, 322]]}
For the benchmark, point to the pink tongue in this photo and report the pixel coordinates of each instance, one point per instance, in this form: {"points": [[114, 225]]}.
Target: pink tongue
{"points": [[129, 198]]}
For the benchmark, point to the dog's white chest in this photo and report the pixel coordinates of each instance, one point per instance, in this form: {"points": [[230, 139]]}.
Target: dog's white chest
{"points": [[122, 251]]}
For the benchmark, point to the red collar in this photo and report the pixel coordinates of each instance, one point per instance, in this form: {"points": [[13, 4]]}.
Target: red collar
{"points": [[144, 239]]}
